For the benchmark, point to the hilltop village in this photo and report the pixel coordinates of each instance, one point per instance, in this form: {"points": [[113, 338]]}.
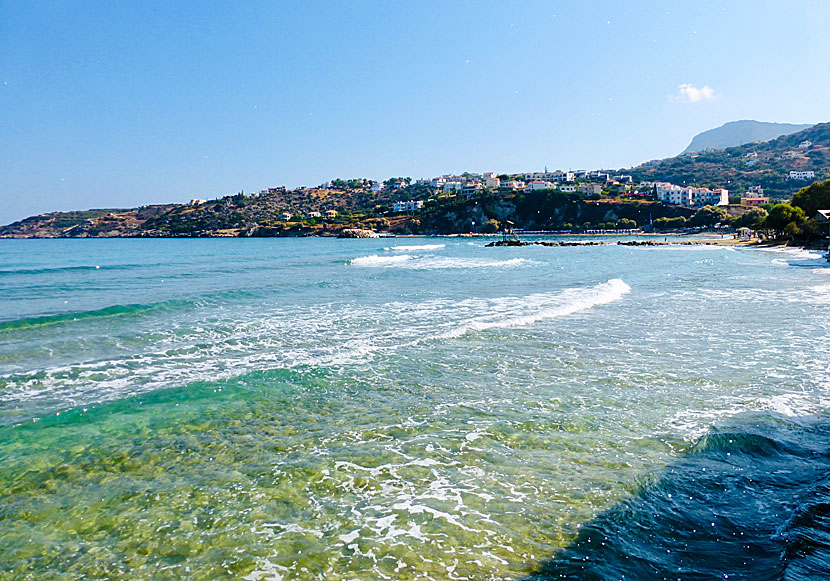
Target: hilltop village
{"points": [[737, 187]]}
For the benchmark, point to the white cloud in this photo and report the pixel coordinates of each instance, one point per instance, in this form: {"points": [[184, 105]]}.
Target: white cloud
{"points": [[688, 93]]}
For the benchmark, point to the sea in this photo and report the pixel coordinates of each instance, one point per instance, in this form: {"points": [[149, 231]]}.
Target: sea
{"points": [[412, 408]]}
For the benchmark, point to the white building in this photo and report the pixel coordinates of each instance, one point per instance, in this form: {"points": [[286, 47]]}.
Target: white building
{"points": [[285, 216], [377, 187], [512, 185], [452, 187], [805, 144], [470, 188], [409, 206], [590, 188], [706, 197], [802, 175], [667, 192], [569, 189], [539, 185], [315, 215], [492, 183], [196, 202], [691, 197]]}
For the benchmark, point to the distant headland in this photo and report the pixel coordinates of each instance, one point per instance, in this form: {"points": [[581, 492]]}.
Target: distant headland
{"points": [[748, 186]]}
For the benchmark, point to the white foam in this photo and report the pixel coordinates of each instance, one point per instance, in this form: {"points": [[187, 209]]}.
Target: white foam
{"points": [[795, 404], [431, 262], [278, 338], [375, 260], [525, 311], [408, 248]]}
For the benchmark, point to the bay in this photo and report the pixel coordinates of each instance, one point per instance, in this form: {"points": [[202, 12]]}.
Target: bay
{"points": [[398, 408]]}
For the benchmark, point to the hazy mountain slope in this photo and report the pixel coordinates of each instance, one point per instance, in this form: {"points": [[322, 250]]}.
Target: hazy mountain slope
{"points": [[740, 133], [736, 168]]}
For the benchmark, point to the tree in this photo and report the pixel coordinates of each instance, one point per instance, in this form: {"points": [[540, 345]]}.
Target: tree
{"points": [[752, 218], [708, 216], [812, 198], [782, 215], [491, 226], [670, 223]]}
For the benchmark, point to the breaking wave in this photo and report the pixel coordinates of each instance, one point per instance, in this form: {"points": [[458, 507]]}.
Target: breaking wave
{"points": [[430, 262], [408, 248], [511, 312], [149, 359]]}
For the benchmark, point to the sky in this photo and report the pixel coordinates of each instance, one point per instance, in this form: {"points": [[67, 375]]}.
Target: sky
{"points": [[123, 103]]}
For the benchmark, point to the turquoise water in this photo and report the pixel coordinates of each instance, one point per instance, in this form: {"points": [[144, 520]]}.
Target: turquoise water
{"points": [[386, 408]]}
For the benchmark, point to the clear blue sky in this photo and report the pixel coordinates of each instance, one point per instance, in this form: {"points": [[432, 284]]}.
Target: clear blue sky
{"points": [[122, 103]]}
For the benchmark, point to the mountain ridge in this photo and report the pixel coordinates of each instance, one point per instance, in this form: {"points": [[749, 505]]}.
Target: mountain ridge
{"points": [[745, 131]]}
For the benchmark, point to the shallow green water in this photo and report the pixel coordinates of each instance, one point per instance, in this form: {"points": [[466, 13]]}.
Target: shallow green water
{"points": [[354, 409]]}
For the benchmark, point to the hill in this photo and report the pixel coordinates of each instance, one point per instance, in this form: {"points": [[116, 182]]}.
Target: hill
{"points": [[737, 133], [737, 168], [277, 212], [352, 204]]}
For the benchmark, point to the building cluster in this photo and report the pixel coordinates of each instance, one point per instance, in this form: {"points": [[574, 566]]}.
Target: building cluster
{"points": [[591, 183], [469, 184], [754, 197], [690, 197]]}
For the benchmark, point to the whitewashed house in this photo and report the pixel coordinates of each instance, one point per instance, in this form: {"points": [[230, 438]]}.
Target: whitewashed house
{"points": [[802, 175]]}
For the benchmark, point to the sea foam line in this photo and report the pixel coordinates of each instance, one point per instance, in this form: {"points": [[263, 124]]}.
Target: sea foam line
{"points": [[269, 343], [430, 262], [513, 312], [408, 248]]}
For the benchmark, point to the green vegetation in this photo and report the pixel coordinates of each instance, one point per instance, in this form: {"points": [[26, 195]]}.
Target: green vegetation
{"points": [[813, 198], [753, 219], [732, 169], [349, 203]]}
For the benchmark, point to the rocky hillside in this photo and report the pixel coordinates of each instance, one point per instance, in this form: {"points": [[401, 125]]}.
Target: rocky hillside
{"points": [[543, 210], [737, 168], [237, 215]]}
